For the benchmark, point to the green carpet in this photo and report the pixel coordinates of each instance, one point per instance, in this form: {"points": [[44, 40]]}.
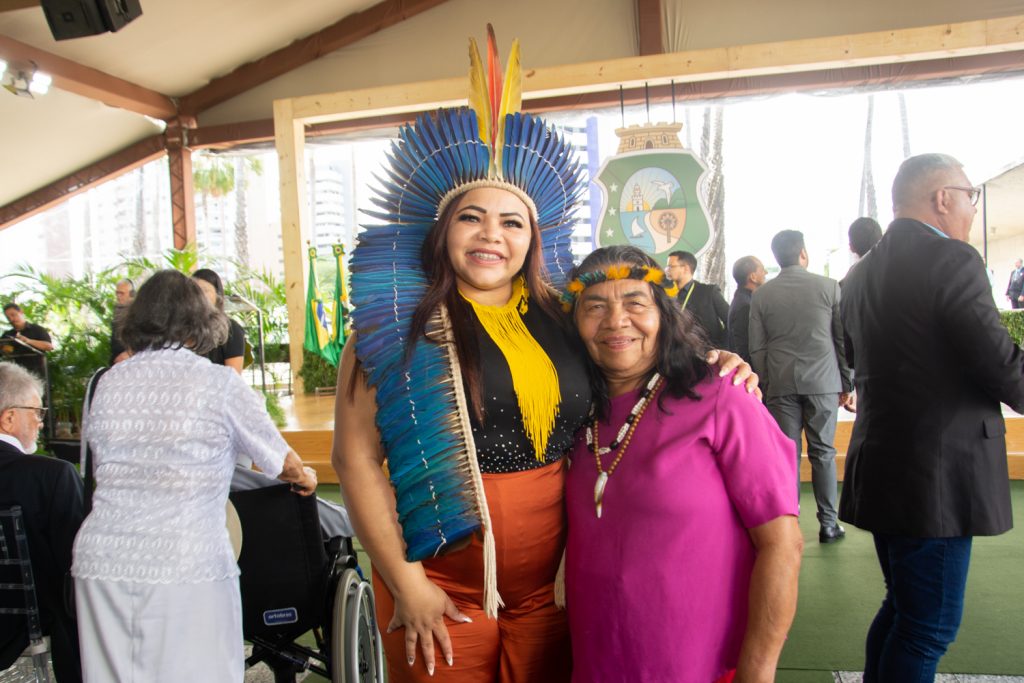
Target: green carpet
{"points": [[841, 589]]}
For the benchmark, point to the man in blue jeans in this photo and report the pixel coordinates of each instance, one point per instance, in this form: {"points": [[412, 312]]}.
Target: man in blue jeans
{"points": [[926, 467]]}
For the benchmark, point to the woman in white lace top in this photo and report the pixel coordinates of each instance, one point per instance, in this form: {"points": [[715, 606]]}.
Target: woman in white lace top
{"points": [[155, 578]]}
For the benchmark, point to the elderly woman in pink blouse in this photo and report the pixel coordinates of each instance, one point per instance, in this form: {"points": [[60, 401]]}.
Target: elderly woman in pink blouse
{"points": [[155, 576], [683, 549]]}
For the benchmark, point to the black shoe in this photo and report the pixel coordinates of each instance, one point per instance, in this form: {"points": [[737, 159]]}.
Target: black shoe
{"points": [[831, 534]]}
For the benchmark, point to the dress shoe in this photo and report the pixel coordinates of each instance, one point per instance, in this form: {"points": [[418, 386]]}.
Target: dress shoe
{"points": [[831, 534]]}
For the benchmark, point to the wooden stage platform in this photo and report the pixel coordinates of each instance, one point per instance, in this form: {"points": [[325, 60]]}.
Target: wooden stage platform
{"points": [[310, 431]]}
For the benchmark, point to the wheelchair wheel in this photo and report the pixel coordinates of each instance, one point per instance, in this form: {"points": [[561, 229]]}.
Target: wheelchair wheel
{"points": [[356, 652]]}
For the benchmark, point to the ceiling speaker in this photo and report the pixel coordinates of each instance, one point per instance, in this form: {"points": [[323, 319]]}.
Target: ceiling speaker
{"points": [[79, 18]]}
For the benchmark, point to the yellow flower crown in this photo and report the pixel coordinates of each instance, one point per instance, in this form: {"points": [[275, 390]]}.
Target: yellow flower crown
{"points": [[623, 271]]}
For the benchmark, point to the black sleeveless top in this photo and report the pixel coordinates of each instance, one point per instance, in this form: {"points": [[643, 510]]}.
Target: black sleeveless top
{"points": [[501, 441]]}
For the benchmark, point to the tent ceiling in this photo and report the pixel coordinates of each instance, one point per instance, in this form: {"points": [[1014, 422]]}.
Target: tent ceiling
{"points": [[178, 46]]}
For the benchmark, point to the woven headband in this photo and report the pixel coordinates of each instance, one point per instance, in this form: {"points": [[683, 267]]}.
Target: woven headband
{"points": [[623, 271]]}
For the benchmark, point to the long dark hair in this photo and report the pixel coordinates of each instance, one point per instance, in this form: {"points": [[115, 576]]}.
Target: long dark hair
{"points": [[170, 311], [442, 289], [681, 342], [211, 277]]}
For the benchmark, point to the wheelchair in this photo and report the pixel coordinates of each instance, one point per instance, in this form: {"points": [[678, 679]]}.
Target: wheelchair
{"points": [[294, 582]]}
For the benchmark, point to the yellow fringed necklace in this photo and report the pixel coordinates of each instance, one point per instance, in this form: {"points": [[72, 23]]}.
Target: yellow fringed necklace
{"points": [[534, 378]]}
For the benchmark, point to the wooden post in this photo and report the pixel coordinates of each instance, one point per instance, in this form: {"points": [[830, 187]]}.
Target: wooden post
{"points": [[290, 139], [183, 205]]}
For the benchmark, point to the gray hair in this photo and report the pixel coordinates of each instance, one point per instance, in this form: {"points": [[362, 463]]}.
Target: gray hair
{"points": [[915, 171], [17, 386]]}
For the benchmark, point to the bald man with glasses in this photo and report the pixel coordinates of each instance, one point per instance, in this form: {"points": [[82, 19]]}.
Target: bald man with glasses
{"points": [[50, 494], [926, 468]]}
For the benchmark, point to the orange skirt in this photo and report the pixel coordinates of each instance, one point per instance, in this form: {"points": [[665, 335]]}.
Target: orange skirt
{"points": [[529, 641]]}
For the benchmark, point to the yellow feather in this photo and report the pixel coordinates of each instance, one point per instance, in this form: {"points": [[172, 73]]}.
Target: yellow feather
{"points": [[478, 100], [511, 97]]}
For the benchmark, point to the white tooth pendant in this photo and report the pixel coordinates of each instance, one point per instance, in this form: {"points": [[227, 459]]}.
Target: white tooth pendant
{"points": [[602, 481]]}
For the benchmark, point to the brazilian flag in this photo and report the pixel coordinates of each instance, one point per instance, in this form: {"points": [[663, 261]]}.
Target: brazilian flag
{"points": [[320, 337], [340, 300]]}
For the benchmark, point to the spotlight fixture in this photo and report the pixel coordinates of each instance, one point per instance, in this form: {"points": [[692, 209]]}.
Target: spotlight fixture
{"points": [[24, 80]]}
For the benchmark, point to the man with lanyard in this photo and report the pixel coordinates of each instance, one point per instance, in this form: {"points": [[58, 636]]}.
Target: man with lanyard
{"points": [[704, 302]]}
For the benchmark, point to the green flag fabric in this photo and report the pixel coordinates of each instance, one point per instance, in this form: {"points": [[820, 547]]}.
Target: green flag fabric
{"points": [[319, 335]]}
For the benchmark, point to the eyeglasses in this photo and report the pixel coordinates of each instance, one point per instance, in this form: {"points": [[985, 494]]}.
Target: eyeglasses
{"points": [[40, 412], [973, 193]]}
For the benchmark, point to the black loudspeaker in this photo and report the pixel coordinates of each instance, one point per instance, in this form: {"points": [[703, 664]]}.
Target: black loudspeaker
{"points": [[78, 18]]}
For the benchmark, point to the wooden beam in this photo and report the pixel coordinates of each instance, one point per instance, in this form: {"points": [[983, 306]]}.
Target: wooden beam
{"points": [[225, 136], [650, 27], [81, 180], [229, 135], [989, 36], [88, 82], [11, 5], [348, 30], [833, 79], [262, 131], [183, 205], [295, 226]]}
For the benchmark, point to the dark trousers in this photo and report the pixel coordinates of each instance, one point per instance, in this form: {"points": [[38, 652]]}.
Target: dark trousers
{"points": [[925, 580], [814, 416]]}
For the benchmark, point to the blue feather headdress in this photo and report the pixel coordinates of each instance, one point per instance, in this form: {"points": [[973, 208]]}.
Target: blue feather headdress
{"points": [[421, 406]]}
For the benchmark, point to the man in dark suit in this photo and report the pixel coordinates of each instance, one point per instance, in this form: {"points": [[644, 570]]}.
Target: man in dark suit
{"points": [[704, 302], [796, 346], [30, 334], [49, 492], [926, 468], [863, 234], [749, 274], [1015, 289]]}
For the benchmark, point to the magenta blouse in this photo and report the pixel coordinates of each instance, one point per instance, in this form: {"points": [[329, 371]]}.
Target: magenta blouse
{"points": [[657, 588]]}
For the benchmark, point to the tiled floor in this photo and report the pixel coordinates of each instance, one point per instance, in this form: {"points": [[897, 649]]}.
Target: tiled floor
{"points": [[856, 677], [21, 672], [261, 673]]}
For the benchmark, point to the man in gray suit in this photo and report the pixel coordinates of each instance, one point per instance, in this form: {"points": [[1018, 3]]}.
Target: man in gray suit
{"points": [[797, 347]]}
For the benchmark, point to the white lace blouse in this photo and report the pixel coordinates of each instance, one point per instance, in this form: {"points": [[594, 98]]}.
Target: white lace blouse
{"points": [[165, 428]]}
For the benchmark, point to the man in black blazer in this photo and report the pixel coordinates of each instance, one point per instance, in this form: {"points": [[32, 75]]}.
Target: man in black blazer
{"points": [[926, 467], [49, 492], [749, 274], [1015, 289], [704, 302]]}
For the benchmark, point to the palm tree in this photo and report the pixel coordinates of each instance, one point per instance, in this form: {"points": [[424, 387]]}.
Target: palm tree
{"points": [[242, 168], [904, 125], [140, 211], [212, 176], [713, 260], [868, 206]]}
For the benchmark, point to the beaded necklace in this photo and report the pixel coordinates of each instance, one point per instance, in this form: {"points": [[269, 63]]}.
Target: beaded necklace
{"points": [[622, 438]]}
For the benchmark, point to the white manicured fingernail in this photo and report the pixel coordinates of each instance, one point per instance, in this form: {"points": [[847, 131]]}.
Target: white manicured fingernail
{"points": [[448, 659], [466, 620]]}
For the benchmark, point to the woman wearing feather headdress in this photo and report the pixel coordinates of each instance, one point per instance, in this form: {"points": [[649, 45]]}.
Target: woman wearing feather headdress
{"points": [[465, 378]]}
